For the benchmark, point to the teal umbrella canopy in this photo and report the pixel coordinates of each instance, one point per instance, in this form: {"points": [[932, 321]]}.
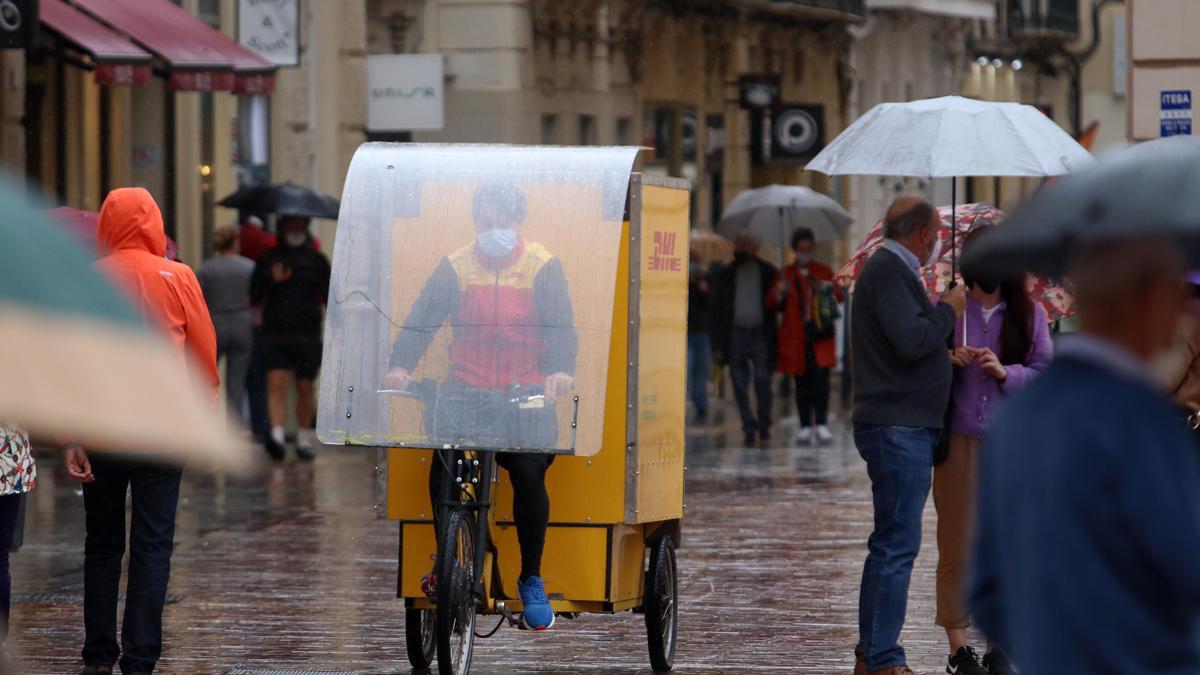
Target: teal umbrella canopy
{"points": [[79, 362], [44, 267]]}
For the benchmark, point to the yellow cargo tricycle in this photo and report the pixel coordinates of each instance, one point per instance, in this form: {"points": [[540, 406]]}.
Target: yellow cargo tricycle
{"points": [[524, 309]]}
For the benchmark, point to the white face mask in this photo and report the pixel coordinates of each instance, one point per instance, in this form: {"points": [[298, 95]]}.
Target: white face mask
{"points": [[295, 239], [803, 259], [936, 253], [497, 243]]}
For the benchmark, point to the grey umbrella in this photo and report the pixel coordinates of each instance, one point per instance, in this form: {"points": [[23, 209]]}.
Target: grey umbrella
{"points": [[1152, 189], [775, 211]]}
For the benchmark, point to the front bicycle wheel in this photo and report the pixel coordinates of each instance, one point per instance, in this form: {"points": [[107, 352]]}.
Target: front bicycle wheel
{"points": [[456, 602]]}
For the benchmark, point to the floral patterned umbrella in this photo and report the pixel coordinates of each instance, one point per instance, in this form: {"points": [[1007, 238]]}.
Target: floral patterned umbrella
{"points": [[1055, 298]]}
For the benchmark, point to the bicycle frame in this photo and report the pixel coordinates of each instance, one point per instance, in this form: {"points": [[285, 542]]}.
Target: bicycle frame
{"points": [[470, 473]]}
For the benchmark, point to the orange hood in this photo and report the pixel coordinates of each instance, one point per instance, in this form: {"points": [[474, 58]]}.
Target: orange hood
{"points": [[130, 220]]}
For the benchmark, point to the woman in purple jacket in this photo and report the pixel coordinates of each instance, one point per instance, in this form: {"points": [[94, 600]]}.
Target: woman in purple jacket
{"points": [[1007, 344]]}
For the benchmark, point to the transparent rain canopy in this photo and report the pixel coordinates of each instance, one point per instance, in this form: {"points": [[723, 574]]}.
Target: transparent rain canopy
{"points": [[471, 301]]}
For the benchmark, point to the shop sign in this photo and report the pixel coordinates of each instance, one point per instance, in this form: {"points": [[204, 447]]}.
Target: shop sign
{"points": [[271, 28], [18, 23], [253, 85], [1175, 118], [405, 92], [792, 133], [123, 73], [203, 80]]}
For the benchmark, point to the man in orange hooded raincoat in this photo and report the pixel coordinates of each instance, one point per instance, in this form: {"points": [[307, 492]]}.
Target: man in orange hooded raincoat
{"points": [[133, 243]]}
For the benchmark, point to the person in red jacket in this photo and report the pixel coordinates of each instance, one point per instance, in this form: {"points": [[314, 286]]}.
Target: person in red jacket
{"points": [[807, 347], [133, 244]]}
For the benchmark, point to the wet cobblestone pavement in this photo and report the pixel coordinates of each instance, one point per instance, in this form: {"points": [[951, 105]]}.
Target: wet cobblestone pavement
{"points": [[291, 572]]}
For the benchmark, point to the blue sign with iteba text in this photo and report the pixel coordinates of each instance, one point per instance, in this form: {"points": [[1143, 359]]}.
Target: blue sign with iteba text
{"points": [[1176, 112]]}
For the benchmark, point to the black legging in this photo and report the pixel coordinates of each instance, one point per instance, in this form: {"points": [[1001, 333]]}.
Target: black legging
{"points": [[812, 391], [531, 502]]}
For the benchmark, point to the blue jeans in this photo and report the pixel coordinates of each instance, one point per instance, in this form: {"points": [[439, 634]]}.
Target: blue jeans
{"points": [[900, 464], [699, 370], [749, 360], [155, 495]]}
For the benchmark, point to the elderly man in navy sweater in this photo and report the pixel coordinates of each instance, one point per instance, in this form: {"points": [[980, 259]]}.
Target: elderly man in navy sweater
{"points": [[902, 379], [1087, 557]]}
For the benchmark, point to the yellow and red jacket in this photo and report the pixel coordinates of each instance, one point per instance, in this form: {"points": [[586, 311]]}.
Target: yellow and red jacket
{"points": [[510, 318]]}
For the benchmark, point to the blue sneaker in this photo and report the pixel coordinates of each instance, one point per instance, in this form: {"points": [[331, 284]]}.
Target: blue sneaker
{"points": [[537, 613]]}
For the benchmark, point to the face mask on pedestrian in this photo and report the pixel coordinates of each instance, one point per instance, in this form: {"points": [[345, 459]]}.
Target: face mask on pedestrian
{"points": [[803, 258], [497, 243], [295, 239]]}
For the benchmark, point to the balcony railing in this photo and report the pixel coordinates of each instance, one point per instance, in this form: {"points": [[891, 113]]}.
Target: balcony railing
{"points": [[855, 7], [1045, 17]]}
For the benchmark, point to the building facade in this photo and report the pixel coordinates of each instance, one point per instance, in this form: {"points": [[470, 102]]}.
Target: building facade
{"points": [[661, 74], [1164, 67]]}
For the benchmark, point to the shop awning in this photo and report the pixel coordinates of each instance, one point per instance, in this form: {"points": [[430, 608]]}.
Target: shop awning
{"points": [[198, 56], [117, 60]]}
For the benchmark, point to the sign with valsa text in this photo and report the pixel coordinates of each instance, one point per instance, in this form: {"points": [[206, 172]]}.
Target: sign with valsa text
{"points": [[405, 92], [1176, 112], [271, 28]]}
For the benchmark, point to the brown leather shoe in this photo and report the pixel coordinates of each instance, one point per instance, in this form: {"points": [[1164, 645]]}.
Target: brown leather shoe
{"points": [[894, 670], [860, 664]]}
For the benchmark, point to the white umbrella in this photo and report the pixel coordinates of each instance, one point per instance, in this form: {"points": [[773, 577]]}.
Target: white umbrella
{"points": [[949, 137], [952, 136], [776, 211]]}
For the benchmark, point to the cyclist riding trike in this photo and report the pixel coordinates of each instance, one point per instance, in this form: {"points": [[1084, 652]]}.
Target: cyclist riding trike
{"points": [[523, 309]]}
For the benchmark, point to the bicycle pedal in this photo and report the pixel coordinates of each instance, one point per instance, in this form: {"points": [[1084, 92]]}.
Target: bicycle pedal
{"points": [[509, 618]]}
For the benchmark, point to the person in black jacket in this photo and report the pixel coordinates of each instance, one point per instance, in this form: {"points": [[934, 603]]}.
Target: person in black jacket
{"points": [[747, 333], [291, 282]]}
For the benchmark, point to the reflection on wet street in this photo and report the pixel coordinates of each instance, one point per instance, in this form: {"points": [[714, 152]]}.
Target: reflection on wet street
{"points": [[291, 572]]}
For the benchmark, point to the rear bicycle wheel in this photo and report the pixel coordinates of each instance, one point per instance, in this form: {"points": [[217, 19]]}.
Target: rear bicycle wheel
{"points": [[456, 602], [420, 633], [662, 605]]}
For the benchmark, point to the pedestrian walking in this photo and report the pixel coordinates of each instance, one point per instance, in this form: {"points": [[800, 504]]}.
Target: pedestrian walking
{"points": [[291, 282], [225, 280], [699, 337], [1089, 517], [746, 334], [132, 241], [18, 476], [253, 238], [805, 294], [1002, 345], [902, 380]]}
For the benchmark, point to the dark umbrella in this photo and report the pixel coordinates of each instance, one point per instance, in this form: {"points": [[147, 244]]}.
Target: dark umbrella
{"points": [[1147, 190], [285, 199]]}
